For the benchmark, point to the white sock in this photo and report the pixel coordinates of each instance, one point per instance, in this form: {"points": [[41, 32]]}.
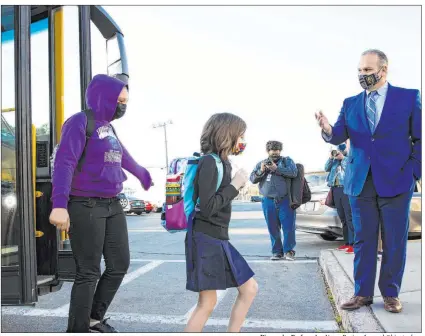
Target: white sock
{"points": [[93, 322]]}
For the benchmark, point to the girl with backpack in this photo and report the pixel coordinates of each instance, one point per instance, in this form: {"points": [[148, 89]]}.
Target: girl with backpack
{"points": [[213, 263]]}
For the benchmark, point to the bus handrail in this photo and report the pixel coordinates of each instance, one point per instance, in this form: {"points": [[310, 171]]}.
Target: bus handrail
{"points": [[7, 109]]}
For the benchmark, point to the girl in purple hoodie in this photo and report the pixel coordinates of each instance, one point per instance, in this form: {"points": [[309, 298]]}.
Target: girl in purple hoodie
{"points": [[85, 203]]}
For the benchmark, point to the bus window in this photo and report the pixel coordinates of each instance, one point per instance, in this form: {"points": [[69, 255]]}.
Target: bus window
{"points": [[40, 97], [98, 51], [10, 228], [113, 56], [72, 80]]}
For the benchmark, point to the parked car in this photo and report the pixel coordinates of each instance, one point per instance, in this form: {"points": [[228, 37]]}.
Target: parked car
{"points": [[415, 216], [132, 204], [157, 207], [317, 218], [137, 206], [148, 207], [124, 202], [256, 198]]}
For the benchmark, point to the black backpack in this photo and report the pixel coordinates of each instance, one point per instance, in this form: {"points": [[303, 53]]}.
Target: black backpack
{"points": [[90, 128], [306, 192]]}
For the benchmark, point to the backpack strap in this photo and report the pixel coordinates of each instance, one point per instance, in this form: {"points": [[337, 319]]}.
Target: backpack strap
{"points": [[113, 130], [219, 165], [220, 169], [90, 127]]}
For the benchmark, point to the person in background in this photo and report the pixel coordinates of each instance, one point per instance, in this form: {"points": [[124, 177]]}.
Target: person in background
{"points": [[271, 174], [86, 205], [212, 263], [336, 166]]}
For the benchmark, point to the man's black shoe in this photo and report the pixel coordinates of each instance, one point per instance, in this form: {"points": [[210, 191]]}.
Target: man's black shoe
{"points": [[103, 327], [276, 256]]}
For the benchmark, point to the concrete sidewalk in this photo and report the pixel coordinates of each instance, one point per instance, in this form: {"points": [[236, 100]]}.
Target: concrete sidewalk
{"points": [[338, 270]]}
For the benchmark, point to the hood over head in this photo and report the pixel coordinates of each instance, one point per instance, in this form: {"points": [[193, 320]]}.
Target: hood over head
{"points": [[102, 96]]}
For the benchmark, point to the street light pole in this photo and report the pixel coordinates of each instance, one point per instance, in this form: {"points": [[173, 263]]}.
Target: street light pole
{"points": [[164, 124], [166, 146]]}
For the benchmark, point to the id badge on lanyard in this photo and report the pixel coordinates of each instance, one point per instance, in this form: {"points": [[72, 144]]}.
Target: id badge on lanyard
{"points": [[269, 177]]}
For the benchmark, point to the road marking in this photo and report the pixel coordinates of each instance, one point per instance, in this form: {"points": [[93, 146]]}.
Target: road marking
{"points": [[220, 295], [281, 325], [247, 215], [153, 263], [128, 278], [232, 231], [256, 261], [142, 270]]}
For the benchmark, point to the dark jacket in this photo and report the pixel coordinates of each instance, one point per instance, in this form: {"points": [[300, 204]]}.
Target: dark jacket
{"points": [[215, 205], [300, 192]]}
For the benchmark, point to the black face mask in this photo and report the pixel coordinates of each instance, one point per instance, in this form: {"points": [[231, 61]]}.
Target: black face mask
{"points": [[368, 81], [119, 111]]}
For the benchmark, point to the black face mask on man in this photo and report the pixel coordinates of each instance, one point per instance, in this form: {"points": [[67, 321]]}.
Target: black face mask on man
{"points": [[369, 81], [119, 111]]}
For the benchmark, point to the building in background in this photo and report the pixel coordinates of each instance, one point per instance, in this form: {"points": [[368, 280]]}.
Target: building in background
{"points": [[129, 191]]}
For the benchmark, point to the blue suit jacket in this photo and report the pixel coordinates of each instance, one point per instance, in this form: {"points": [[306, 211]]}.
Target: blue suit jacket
{"points": [[393, 151]]}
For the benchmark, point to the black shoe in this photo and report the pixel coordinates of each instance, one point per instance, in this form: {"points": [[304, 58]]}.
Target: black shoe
{"points": [[103, 327], [290, 255], [276, 256]]}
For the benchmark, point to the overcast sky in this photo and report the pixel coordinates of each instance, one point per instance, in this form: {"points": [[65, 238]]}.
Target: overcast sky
{"points": [[272, 66]]}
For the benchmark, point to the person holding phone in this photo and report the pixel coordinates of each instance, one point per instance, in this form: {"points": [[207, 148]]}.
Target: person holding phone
{"points": [[271, 174]]}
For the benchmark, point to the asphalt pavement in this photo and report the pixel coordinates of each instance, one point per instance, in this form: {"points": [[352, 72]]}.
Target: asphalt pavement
{"points": [[292, 294]]}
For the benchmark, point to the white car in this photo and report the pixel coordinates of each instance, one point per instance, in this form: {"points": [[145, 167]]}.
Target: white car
{"points": [[317, 218], [131, 204]]}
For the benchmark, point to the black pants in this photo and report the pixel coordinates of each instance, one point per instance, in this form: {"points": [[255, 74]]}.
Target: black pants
{"points": [[98, 226], [343, 208]]}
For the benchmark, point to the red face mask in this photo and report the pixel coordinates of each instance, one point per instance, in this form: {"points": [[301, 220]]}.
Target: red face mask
{"points": [[240, 147]]}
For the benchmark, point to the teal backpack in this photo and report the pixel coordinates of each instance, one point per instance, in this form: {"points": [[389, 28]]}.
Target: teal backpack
{"points": [[179, 207]]}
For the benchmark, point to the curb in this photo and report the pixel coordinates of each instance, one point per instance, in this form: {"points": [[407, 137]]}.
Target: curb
{"points": [[360, 320]]}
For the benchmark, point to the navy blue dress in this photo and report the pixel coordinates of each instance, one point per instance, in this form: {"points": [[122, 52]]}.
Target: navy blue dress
{"points": [[216, 265], [212, 263]]}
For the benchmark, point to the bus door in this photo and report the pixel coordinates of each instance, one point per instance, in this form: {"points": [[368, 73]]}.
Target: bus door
{"points": [[35, 256], [19, 273]]}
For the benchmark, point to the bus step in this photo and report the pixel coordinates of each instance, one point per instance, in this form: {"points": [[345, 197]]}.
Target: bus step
{"points": [[44, 279]]}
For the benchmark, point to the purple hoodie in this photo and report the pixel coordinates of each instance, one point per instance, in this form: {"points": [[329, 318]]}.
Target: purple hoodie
{"points": [[101, 174]]}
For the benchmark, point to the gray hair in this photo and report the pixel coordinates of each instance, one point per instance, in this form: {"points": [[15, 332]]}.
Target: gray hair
{"points": [[383, 59]]}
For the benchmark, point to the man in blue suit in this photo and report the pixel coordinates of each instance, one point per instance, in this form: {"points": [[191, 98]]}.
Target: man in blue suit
{"points": [[383, 124]]}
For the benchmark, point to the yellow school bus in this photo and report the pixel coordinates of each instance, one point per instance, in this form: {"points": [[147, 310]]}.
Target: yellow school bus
{"points": [[49, 55]]}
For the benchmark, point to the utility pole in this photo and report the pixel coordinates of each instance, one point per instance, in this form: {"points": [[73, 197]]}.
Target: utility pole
{"points": [[164, 124]]}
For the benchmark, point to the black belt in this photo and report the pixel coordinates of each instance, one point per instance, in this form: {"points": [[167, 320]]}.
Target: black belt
{"points": [[100, 199], [338, 186], [276, 198]]}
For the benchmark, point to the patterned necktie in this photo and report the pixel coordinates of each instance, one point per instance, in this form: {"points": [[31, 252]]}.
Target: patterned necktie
{"points": [[371, 110]]}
